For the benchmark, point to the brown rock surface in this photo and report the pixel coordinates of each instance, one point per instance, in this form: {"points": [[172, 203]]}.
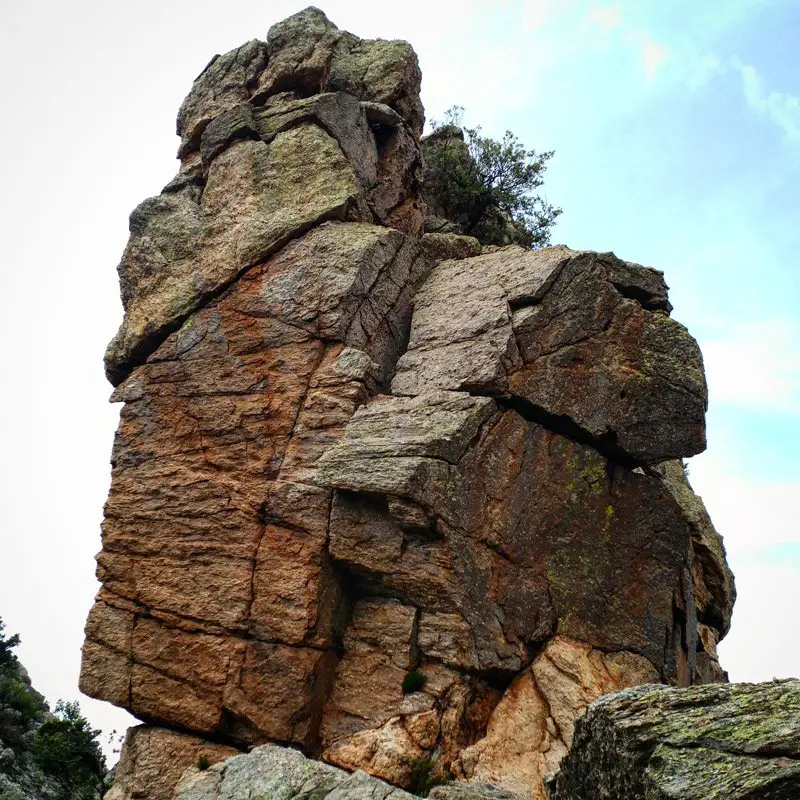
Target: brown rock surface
{"points": [[531, 729], [153, 760], [349, 451]]}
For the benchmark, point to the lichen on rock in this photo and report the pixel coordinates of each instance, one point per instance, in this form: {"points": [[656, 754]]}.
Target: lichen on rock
{"points": [[737, 742], [350, 450]]}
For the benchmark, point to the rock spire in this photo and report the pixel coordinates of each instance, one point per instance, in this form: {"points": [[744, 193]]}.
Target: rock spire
{"points": [[351, 450]]}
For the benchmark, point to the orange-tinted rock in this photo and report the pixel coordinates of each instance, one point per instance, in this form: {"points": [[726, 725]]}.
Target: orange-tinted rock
{"points": [[531, 729], [349, 452], [153, 760]]}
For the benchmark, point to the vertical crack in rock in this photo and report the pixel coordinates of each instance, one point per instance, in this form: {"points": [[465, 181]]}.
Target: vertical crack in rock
{"points": [[386, 496]]}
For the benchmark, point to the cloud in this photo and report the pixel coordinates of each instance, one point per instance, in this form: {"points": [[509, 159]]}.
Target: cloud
{"points": [[758, 523], [762, 644], [541, 13], [606, 18], [779, 107], [755, 366], [651, 54], [705, 68]]}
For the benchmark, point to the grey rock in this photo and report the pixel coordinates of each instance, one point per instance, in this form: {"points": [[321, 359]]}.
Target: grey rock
{"points": [[227, 81], [279, 773], [720, 742], [582, 338], [472, 791]]}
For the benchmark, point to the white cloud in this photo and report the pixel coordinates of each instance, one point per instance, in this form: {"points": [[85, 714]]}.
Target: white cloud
{"points": [[755, 366], [606, 18], [781, 108], [705, 68], [541, 13], [651, 54], [762, 643]]}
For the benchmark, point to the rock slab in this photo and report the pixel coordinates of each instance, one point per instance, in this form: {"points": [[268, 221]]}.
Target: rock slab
{"points": [[279, 773], [734, 742]]}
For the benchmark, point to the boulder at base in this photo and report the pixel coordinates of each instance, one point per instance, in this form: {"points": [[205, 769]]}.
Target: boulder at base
{"points": [[718, 742]]}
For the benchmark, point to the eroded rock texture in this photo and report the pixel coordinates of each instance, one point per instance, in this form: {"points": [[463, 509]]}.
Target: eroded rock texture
{"points": [[270, 772], [734, 742], [350, 451]]}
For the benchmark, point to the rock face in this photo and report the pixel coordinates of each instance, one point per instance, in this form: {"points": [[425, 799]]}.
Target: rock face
{"points": [[350, 451], [153, 760], [733, 742], [278, 772]]}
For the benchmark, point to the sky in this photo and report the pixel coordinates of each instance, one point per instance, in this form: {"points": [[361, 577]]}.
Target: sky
{"points": [[676, 128]]}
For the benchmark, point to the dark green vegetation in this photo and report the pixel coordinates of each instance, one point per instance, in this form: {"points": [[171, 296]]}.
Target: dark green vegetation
{"points": [[487, 187], [425, 776], [413, 682], [43, 755]]}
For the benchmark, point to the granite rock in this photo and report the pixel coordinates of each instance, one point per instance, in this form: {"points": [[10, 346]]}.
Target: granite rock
{"points": [[737, 742], [378, 493]]}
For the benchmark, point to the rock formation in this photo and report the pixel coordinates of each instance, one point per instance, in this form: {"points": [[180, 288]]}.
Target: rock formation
{"points": [[733, 742], [271, 771], [352, 450]]}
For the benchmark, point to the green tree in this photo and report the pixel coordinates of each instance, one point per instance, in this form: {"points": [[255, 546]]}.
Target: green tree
{"points": [[66, 748], [21, 707], [6, 646], [488, 187]]}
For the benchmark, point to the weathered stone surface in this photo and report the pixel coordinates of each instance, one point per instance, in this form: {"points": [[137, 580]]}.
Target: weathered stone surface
{"points": [[531, 729], [350, 451], [370, 723], [271, 167], [473, 791], [524, 531], [711, 742], [256, 198], [305, 54], [220, 430], [152, 761], [282, 774], [584, 338]]}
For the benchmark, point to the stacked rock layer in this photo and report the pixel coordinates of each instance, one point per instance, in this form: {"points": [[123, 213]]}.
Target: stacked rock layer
{"points": [[351, 450]]}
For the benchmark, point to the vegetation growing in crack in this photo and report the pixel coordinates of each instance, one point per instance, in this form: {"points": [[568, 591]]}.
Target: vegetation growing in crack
{"points": [[413, 681], [425, 776]]}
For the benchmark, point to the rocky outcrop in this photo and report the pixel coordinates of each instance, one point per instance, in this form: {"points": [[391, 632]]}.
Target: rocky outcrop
{"points": [[153, 760], [737, 742], [271, 771], [391, 498]]}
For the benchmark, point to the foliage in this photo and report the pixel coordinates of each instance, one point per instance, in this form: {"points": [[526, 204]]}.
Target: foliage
{"points": [[58, 755], [424, 776], [21, 708], [6, 646], [203, 763], [413, 681], [487, 186], [66, 748]]}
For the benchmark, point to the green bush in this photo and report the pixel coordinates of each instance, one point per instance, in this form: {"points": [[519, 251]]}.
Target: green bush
{"points": [[413, 681], [60, 751], [424, 776], [21, 707], [487, 186], [203, 763], [66, 748]]}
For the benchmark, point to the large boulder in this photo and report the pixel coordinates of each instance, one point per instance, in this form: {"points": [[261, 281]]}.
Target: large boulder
{"points": [[404, 503], [735, 742]]}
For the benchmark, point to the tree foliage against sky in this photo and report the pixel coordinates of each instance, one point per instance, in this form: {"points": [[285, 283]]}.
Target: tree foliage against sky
{"points": [[55, 755], [487, 186]]}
